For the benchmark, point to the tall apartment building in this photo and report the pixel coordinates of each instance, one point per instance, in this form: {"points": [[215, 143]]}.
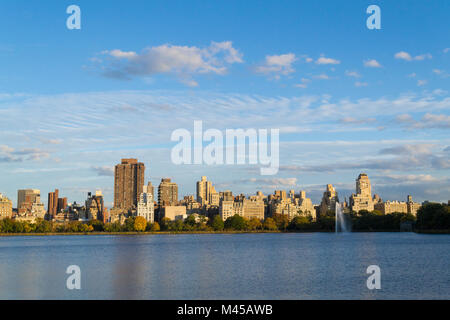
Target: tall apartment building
{"points": [[128, 183], [52, 204], [5, 207], [151, 189], [167, 193], [206, 193], [146, 207], [55, 204], [362, 200], [329, 200]]}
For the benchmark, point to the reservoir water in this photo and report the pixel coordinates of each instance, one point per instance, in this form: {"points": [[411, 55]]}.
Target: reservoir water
{"points": [[227, 266]]}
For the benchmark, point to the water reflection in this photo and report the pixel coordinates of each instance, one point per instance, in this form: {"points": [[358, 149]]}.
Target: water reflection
{"points": [[239, 266]]}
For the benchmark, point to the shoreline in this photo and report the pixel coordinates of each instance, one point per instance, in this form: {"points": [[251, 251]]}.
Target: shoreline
{"points": [[53, 234]]}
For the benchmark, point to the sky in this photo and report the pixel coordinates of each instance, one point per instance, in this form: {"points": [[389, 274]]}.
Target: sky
{"points": [[345, 98]]}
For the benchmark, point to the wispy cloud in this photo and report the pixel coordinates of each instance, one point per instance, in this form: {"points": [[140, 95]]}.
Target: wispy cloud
{"points": [[104, 171], [325, 60], [402, 55], [9, 154], [428, 121], [277, 65]]}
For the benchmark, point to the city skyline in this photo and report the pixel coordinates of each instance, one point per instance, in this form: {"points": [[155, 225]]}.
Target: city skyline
{"points": [[167, 193], [345, 98]]}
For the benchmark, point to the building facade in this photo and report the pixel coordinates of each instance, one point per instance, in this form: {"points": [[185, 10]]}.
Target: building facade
{"points": [[5, 207], [128, 183], [167, 193], [329, 199], [146, 206], [30, 208], [362, 200], [388, 207], [95, 208], [174, 212]]}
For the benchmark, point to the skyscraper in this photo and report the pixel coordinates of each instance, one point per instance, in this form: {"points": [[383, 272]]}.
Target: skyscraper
{"points": [[53, 203], [362, 200], [206, 193], [167, 193], [128, 183]]}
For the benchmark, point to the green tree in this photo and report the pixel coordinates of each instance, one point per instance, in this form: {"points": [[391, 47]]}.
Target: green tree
{"points": [[7, 225], [254, 224], [433, 216], [176, 225], [97, 225], [165, 224], [300, 223], [236, 222], [129, 224], [281, 220], [113, 227], [270, 224], [217, 223], [43, 226], [155, 227]]}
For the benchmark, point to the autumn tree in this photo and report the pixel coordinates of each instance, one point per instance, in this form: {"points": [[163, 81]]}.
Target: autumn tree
{"points": [[140, 224]]}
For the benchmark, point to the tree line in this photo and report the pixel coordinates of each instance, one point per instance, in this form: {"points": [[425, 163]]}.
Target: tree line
{"points": [[430, 217]]}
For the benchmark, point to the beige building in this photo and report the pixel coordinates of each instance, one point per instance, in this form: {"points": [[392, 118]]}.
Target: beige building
{"points": [[5, 207], [388, 207], [167, 193], [174, 212], [206, 194], [294, 205], [329, 200], [247, 208], [362, 200], [191, 205]]}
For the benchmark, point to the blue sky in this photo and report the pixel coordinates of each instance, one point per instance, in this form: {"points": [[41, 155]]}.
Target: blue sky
{"points": [[346, 99]]}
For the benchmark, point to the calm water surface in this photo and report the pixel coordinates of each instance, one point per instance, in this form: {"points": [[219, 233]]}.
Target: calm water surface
{"points": [[230, 266]]}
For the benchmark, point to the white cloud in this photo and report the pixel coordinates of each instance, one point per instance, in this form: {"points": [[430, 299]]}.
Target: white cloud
{"points": [[428, 121], [372, 63], [421, 83], [402, 55], [351, 120], [324, 60], [353, 74], [322, 76], [119, 54], [361, 84], [183, 61], [277, 65], [303, 83]]}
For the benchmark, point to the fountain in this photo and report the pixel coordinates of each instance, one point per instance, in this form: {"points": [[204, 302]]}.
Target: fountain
{"points": [[341, 225]]}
